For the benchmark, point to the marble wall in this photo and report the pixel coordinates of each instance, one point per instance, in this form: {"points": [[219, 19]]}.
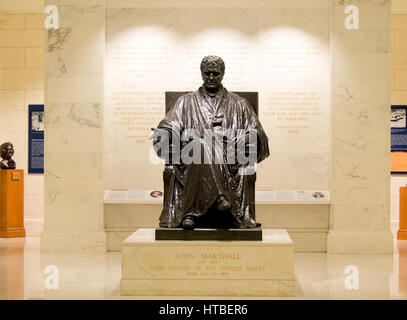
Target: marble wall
{"points": [[21, 84], [360, 179], [150, 50], [74, 184], [399, 89], [399, 51]]}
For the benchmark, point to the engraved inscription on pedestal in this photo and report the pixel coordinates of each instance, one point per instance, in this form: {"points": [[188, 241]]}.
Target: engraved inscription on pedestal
{"points": [[187, 264], [208, 267]]}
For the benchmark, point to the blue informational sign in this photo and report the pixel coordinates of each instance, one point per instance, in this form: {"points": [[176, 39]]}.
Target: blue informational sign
{"points": [[398, 128], [36, 138]]}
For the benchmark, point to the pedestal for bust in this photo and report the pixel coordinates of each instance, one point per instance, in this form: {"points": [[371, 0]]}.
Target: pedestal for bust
{"points": [[402, 232], [12, 204], [208, 268]]}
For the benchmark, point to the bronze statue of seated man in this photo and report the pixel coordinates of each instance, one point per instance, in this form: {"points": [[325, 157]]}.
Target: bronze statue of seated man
{"points": [[203, 192]]}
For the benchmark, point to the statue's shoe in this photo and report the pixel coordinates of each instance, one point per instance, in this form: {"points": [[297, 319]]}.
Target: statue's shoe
{"points": [[188, 223], [222, 204]]}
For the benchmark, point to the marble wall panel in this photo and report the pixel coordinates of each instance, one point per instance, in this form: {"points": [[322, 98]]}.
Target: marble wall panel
{"points": [[12, 99], [13, 58], [73, 137], [358, 192], [80, 63], [127, 173], [14, 120], [131, 217], [399, 97], [361, 140], [303, 168], [400, 79], [74, 51], [360, 167], [294, 217], [360, 90], [75, 141], [65, 217], [19, 38], [359, 68], [20, 79], [362, 242], [33, 97], [70, 115], [34, 207], [34, 58], [398, 6], [35, 186], [13, 21], [400, 38], [73, 190], [398, 21], [172, 41], [399, 58], [228, 32], [362, 115], [35, 21], [361, 217], [74, 90], [32, 6], [360, 188], [85, 165]]}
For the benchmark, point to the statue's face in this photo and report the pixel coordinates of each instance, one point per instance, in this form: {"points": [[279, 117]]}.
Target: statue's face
{"points": [[212, 77], [9, 151]]}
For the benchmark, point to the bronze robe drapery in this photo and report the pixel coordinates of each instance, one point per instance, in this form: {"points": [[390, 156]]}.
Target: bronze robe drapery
{"points": [[194, 188]]}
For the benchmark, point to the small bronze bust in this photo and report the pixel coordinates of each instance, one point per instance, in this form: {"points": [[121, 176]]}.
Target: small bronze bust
{"points": [[6, 152], [211, 122]]}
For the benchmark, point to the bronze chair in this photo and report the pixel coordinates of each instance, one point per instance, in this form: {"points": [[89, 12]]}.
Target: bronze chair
{"points": [[170, 99]]}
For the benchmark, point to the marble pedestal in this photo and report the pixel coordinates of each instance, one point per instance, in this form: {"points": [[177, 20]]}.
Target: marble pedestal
{"points": [[208, 268]]}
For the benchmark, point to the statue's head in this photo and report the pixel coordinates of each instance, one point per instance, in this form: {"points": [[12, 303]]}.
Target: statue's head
{"points": [[212, 71], [6, 150]]}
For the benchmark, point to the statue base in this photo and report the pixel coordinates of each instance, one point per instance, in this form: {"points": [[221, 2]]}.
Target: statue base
{"points": [[208, 268], [253, 234], [12, 203]]}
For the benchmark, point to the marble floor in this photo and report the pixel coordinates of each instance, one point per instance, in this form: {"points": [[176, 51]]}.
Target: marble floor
{"points": [[25, 274]]}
